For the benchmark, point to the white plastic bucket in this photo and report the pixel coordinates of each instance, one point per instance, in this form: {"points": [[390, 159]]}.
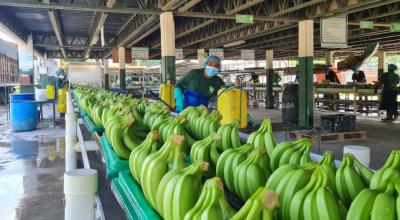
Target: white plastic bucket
{"points": [[40, 95], [382, 114], [363, 154]]}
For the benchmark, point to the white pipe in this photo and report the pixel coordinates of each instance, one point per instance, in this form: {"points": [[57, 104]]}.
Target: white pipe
{"points": [[70, 141], [70, 136], [70, 105], [80, 188]]}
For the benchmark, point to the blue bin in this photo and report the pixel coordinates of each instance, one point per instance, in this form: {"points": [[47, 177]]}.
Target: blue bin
{"points": [[23, 112]]}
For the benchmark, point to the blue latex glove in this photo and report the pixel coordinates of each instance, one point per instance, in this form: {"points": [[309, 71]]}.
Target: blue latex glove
{"points": [[179, 99]]}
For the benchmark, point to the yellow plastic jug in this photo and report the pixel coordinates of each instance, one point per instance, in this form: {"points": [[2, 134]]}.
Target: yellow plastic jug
{"points": [[62, 102], [167, 93], [232, 104], [50, 92]]}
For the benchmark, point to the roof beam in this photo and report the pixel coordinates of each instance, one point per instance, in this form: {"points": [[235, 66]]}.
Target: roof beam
{"points": [[171, 5], [145, 34], [55, 22], [121, 10], [246, 5], [97, 25], [188, 5]]}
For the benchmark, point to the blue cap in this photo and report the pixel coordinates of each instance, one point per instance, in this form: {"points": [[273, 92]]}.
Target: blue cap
{"points": [[392, 67], [209, 59]]}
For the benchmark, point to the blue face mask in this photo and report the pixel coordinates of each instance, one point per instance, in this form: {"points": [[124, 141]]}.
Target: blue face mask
{"points": [[211, 71]]}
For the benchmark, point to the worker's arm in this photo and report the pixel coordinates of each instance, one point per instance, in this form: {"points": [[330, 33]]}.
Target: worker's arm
{"points": [[178, 91], [185, 80]]}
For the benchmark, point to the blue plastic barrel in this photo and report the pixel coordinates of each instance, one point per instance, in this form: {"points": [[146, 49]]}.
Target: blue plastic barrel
{"points": [[23, 111]]}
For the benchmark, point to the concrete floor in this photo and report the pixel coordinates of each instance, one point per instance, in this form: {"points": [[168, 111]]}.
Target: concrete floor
{"points": [[382, 137], [31, 172], [32, 168]]}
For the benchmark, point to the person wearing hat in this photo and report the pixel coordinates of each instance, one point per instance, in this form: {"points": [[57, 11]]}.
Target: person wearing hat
{"points": [[389, 80], [199, 85]]}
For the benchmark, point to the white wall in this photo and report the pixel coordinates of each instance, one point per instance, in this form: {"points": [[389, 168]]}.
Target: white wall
{"points": [[85, 74]]}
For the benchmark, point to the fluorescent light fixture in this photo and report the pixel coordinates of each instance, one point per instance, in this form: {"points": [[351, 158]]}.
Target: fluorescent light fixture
{"points": [[235, 43]]}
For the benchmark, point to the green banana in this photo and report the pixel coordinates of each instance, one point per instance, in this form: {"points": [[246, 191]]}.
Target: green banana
{"points": [[261, 205], [155, 166], [297, 181], [354, 182], [278, 174], [235, 139], [341, 185], [249, 175], [139, 154], [361, 207], [185, 192], [226, 138], [297, 203], [116, 139], [384, 206]]}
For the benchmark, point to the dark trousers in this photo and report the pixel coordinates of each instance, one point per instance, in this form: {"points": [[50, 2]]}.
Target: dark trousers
{"points": [[389, 102]]}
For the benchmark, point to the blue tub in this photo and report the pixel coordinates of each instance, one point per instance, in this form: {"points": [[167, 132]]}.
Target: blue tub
{"points": [[23, 111]]}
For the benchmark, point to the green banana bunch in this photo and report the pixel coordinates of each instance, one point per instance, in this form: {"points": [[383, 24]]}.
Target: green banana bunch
{"points": [[114, 131], [157, 164], [380, 203], [228, 161], [315, 200], [212, 203], [260, 205], [229, 136], [176, 126], [328, 165], [141, 106], [204, 125], [291, 180], [348, 182], [291, 152], [191, 113], [180, 191], [393, 162], [263, 137], [206, 150], [138, 154], [251, 173]]}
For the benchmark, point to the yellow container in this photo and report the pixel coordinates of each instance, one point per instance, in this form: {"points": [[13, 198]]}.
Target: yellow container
{"points": [[232, 105], [50, 92], [167, 93], [62, 101]]}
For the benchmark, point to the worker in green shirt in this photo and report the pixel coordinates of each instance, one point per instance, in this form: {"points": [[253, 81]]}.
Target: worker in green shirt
{"points": [[389, 80], [198, 86]]}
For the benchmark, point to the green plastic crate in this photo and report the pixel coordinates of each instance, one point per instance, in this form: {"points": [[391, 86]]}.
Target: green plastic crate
{"points": [[114, 164], [91, 126], [82, 112], [131, 198]]}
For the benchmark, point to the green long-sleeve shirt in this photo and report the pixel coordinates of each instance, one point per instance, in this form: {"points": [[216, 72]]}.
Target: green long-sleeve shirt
{"points": [[195, 81]]}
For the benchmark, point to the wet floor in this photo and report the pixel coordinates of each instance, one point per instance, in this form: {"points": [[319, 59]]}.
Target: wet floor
{"points": [[31, 178]]}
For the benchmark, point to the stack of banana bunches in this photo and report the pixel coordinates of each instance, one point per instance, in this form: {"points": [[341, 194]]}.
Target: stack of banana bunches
{"points": [[188, 164]]}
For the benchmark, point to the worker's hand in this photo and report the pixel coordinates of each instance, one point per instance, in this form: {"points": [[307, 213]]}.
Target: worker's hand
{"points": [[180, 105], [179, 99]]}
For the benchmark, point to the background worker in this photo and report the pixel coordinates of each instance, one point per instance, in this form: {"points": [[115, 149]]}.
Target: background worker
{"points": [[389, 80], [332, 77], [359, 76], [199, 85]]}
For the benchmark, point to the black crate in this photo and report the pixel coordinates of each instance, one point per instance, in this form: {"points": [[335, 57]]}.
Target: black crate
{"points": [[338, 123]]}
